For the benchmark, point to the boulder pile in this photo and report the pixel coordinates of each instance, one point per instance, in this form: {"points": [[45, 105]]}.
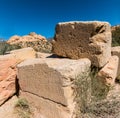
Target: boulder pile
{"points": [[37, 42], [65, 80], [81, 71]]}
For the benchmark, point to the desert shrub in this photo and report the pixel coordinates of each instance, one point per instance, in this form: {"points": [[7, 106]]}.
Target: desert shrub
{"points": [[116, 36], [82, 93], [89, 91], [5, 47], [99, 90], [22, 108]]}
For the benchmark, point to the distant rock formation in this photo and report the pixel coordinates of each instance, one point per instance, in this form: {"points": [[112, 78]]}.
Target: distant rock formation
{"points": [[27, 38], [37, 42]]}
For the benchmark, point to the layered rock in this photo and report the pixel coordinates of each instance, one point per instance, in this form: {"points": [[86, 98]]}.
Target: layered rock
{"points": [[50, 82], [7, 79], [84, 40]]}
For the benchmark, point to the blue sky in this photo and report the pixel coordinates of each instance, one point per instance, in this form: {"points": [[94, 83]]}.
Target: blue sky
{"points": [[23, 16]]}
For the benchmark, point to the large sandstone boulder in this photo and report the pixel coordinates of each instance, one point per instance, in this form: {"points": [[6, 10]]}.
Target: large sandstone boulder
{"points": [[7, 79], [84, 40], [49, 83]]}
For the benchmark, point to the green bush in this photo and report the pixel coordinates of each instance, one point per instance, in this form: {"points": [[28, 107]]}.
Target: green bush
{"points": [[116, 36], [5, 47], [22, 108]]}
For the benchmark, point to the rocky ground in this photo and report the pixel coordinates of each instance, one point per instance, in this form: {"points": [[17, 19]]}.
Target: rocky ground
{"points": [[107, 108], [7, 110]]}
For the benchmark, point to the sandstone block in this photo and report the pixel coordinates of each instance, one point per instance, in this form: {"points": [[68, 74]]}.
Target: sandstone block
{"points": [[24, 53], [106, 77], [7, 79], [109, 72], [52, 80], [84, 40], [116, 51]]}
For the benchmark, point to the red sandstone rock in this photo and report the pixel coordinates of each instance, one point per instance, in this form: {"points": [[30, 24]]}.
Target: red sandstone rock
{"points": [[7, 79]]}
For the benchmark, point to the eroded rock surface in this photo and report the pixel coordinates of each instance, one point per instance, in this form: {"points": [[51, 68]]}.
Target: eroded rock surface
{"points": [[8, 71], [84, 40], [7, 79], [109, 72], [51, 80]]}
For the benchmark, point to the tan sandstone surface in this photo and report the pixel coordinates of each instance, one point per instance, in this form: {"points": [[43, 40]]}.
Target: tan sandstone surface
{"points": [[84, 40], [50, 82], [108, 73], [7, 110], [105, 78], [24, 53]]}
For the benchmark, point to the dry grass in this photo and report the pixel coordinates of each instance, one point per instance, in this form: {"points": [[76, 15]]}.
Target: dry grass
{"points": [[22, 108]]}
